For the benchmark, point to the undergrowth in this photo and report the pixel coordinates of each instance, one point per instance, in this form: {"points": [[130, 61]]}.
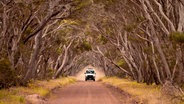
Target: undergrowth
{"points": [[16, 95], [145, 94]]}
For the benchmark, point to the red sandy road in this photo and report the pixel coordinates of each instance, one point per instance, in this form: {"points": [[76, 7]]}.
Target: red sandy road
{"points": [[86, 93]]}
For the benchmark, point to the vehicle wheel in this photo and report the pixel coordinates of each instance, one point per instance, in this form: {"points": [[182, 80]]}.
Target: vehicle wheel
{"points": [[85, 79], [93, 79]]}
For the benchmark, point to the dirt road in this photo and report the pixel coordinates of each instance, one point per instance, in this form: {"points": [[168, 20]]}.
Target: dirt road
{"points": [[89, 93]]}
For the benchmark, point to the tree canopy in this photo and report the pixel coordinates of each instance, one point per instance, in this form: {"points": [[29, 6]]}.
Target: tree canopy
{"points": [[139, 39]]}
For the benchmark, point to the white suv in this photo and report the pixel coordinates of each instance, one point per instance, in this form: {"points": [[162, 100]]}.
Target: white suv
{"points": [[90, 74]]}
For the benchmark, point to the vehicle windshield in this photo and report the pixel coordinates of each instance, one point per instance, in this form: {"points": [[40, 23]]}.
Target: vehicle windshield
{"points": [[90, 71]]}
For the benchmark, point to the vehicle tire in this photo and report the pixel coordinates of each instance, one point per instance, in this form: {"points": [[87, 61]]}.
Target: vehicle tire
{"points": [[93, 79]]}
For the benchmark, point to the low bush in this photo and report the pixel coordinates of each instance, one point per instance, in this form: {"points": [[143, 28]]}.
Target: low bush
{"points": [[7, 75]]}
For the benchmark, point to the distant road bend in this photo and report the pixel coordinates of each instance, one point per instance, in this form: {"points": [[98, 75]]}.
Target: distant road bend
{"points": [[89, 93]]}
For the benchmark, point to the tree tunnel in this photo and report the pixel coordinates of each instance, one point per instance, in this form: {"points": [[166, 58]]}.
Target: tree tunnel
{"points": [[48, 39], [93, 60]]}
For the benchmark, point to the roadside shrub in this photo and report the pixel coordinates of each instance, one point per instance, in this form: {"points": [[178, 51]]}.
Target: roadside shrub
{"points": [[7, 76], [49, 73]]}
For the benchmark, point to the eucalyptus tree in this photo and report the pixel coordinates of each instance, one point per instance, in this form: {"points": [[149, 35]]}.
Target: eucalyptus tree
{"points": [[141, 39], [148, 35], [21, 22], [166, 30]]}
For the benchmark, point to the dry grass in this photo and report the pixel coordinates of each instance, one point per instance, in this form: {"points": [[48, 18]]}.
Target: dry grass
{"points": [[16, 95], [11, 97], [145, 94]]}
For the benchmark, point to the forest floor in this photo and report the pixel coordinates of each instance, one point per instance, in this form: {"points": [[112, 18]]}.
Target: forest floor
{"points": [[34, 93], [141, 92], [108, 90]]}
